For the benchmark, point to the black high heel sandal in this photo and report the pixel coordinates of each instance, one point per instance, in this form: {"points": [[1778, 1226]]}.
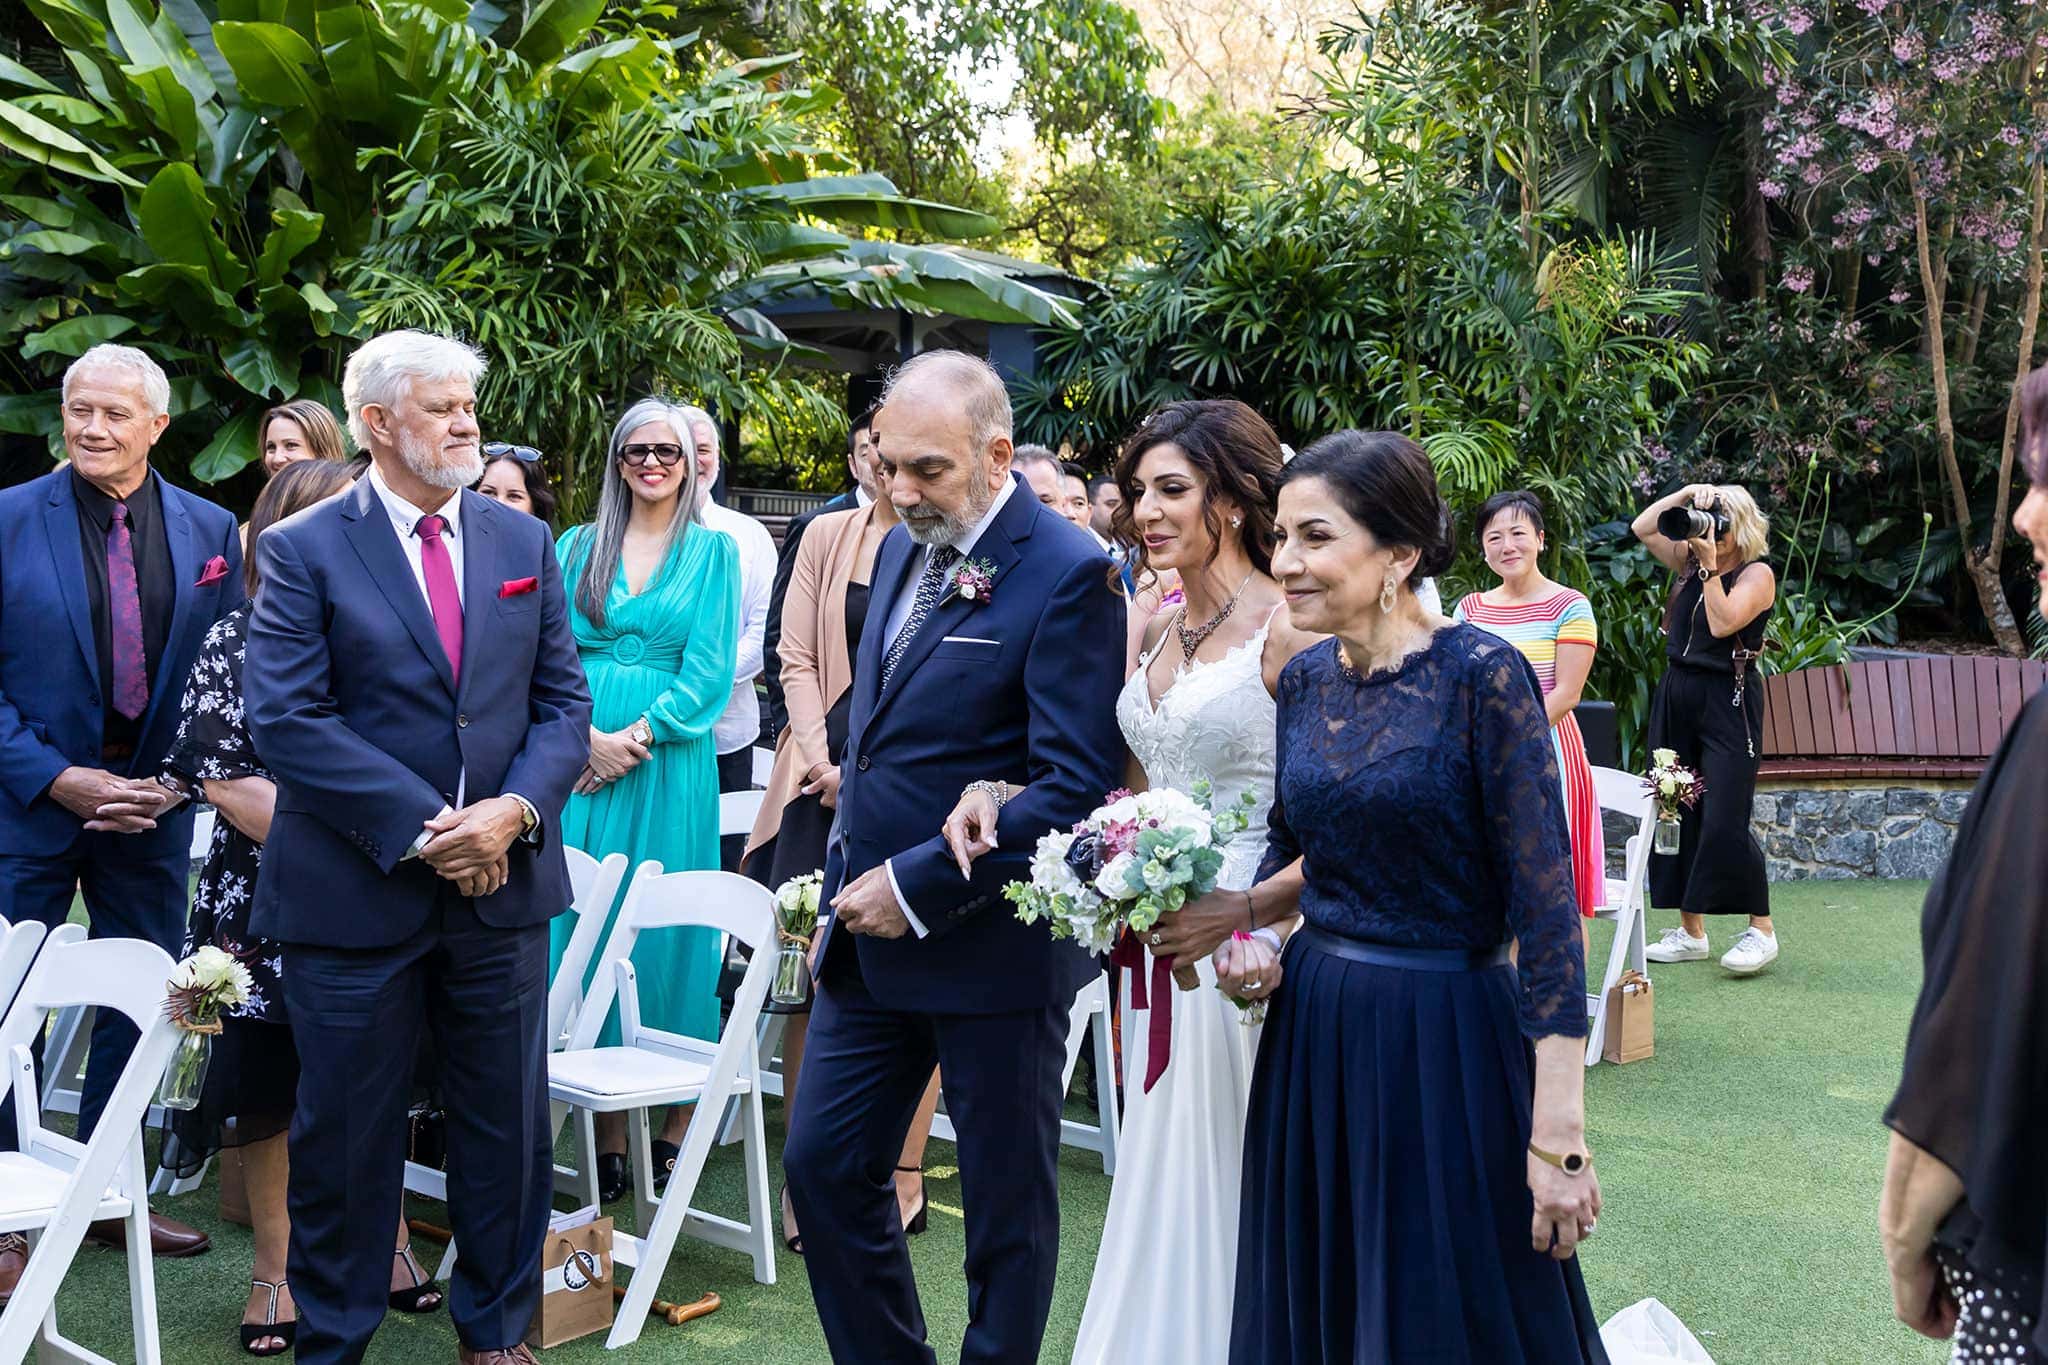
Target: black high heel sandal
{"points": [[414, 1300], [286, 1332], [915, 1224], [794, 1241], [612, 1177]]}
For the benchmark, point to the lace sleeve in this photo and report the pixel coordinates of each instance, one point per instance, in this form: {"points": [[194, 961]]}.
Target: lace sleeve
{"points": [[212, 742], [1522, 808], [1282, 847]]}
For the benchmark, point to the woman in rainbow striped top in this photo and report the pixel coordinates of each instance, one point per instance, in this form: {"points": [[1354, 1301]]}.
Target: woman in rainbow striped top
{"points": [[1553, 627]]}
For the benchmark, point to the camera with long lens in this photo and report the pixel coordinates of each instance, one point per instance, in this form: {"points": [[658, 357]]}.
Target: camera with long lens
{"points": [[1690, 523]]}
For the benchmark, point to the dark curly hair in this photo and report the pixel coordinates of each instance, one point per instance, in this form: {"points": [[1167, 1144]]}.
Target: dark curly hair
{"points": [[1387, 485], [1236, 452]]}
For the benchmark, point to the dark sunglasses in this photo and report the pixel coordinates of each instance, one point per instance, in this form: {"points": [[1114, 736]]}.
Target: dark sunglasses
{"points": [[498, 450], [664, 455]]}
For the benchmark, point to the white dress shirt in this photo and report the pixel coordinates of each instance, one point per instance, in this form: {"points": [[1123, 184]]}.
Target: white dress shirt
{"points": [[740, 726], [899, 612], [405, 520]]}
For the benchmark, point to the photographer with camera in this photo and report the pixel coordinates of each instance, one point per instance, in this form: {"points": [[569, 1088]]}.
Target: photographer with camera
{"points": [[1714, 539]]}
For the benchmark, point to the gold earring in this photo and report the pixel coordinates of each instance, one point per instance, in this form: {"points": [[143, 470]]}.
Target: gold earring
{"points": [[1387, 595]]}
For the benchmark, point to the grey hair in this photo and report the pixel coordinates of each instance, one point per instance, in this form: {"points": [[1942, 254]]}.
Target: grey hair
{"points": [[698, 417], [385, 366], [974, 380], [1030, 454], [156, 385], [603, 546]]}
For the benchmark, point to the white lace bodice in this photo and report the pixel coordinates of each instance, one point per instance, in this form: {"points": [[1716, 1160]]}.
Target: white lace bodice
{"points": [[1216, 721]]}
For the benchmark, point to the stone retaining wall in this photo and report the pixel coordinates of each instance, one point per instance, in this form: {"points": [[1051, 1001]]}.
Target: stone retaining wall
{"points": [[1835, 831]]}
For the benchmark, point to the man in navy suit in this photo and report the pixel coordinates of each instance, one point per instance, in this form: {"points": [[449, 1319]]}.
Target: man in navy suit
{"points": [[993, 651], [412, 683], [109, 580]]}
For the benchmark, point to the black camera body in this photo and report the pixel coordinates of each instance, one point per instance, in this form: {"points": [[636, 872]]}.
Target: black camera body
{"points": [[1690, 523]]}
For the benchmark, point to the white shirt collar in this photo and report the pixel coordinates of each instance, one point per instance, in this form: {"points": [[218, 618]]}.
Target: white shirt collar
{"points": [[861, 498], [404, 516], [965, 545]]}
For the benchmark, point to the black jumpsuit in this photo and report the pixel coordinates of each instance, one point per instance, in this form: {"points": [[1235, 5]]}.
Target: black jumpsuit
{"points": [[1710, 709]]}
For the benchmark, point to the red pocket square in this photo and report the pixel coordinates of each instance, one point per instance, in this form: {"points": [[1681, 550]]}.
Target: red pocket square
{"points": [[216, 569], [515, 587]]}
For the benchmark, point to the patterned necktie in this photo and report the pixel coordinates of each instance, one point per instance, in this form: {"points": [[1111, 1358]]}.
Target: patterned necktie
{"points": [[929, 588], [442, 598], [124, 607]]}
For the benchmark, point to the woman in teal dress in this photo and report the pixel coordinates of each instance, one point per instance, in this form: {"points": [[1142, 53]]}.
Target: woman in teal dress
{"points": [[654, 604]]}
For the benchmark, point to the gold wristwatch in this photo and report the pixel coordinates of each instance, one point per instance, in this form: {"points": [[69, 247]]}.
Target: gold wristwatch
{"points": [[641, 733]]}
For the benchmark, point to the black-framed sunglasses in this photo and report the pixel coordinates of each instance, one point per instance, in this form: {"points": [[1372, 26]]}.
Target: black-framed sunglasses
{"points": [[498, 450], [664, 455]]}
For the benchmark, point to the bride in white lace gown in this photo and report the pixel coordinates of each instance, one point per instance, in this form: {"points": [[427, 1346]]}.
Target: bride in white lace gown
{"points": [[1198, 482]]}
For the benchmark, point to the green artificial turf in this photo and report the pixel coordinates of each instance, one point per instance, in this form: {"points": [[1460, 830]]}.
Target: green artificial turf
{"points": [[1740, 1166]]}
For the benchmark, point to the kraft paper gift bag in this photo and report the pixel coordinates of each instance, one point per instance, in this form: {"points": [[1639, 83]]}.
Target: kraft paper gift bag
{"points": [[1631, 1020], [575, 1280]]}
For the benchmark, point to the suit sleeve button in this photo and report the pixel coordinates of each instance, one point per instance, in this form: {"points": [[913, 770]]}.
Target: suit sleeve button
{"points": [[862, 763]]}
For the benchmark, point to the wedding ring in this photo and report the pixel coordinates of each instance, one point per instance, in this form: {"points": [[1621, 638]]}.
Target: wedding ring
{"points": [[1587, 1229], [1155, 938], [1254, 985]]}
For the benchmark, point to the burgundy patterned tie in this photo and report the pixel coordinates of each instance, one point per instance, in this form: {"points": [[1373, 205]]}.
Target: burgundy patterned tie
{"points": [[442, 597], [124, 607]]}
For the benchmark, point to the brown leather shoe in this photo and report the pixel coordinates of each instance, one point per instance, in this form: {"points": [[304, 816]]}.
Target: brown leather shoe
{"points": [[167, 1236], [502, 1355], [13, 1260]]}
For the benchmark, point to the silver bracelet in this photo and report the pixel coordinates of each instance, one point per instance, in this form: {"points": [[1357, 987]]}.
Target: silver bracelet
{"points": [[998, 792]]}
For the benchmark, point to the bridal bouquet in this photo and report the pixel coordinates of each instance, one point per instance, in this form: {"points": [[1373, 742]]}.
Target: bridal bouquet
{"points": [[1139, 857], [1672, 785], [201, 987]]}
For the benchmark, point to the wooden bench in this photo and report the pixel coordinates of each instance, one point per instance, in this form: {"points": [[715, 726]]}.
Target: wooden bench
{"points": [[1928, 716]]}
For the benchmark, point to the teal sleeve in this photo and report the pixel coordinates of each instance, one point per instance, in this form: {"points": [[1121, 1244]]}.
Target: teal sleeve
{"points": [[703, 682]]}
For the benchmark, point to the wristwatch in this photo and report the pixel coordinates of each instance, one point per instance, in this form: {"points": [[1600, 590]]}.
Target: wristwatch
{"points": [[641, 733], [174, 786], [1571, 1163]]}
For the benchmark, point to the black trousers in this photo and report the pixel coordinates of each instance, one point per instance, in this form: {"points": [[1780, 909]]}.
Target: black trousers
{"points": [[357, 1015], [865, 1068], [1719, 866]]}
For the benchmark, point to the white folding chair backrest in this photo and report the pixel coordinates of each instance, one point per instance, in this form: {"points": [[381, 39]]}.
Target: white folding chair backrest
{"points": [[734, 905], [18, 945], [595, 885], [1627, 898], [736, 812], [202, 832], [1623, 793], [764, 765]]}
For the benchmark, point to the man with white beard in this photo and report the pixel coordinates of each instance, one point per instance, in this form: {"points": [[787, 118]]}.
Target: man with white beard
{"points": [[412, 684]]}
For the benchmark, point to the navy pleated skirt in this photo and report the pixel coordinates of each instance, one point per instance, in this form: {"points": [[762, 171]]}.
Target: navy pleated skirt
{"points": [[1386, 1200]]}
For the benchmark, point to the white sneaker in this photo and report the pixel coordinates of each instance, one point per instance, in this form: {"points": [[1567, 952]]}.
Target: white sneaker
{"points": [[1677, 946], [1753, 952]]}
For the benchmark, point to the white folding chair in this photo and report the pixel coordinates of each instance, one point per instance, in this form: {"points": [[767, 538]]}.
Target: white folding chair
{"points": [[764, 765], [594, 886], [202, 832], [1624, 794], [1103, 1135], [651, 1068], [52, 1187]]}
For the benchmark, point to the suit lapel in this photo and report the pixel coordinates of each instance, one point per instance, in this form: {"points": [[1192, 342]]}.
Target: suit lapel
{"points": [[480, 582], [60, 524], [893, 564], [178, 536], [370, 531], [998, 547]]}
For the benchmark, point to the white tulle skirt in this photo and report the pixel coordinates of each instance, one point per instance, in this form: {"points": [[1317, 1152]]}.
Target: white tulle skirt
{"points": [[1168, 1266]]}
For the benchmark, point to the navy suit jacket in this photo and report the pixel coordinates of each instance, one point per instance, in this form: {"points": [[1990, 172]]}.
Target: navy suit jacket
{"points": [[353, 707], [51, 715], [1022, 688]]}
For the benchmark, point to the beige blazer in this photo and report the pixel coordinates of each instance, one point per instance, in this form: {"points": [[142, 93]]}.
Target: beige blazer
{"points": [[816, 668]]}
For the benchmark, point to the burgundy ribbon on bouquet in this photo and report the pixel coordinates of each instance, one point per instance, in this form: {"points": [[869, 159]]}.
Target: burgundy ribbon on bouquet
{"points": [[1129, 952]]}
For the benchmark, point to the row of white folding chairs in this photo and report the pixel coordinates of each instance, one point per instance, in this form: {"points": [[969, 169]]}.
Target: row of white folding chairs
{"points": [[51, 1186]]}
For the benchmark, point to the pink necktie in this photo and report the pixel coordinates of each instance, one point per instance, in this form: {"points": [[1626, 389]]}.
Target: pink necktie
{"points": [[442, 598], [124, 602]]}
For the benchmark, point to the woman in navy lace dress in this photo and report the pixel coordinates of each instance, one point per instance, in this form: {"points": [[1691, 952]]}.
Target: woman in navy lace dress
{"points": [[1416, 1180]]}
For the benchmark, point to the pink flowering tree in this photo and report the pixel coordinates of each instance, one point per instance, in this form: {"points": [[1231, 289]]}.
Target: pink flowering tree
{"points": [[1907, 139]]}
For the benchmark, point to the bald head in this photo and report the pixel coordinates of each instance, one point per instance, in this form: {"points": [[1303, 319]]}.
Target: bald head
{"points": [[942, 441]]}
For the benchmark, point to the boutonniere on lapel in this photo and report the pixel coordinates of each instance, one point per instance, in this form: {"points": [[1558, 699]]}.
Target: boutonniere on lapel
{"points": [[517, 587], [974, 580], [216, 569]]}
